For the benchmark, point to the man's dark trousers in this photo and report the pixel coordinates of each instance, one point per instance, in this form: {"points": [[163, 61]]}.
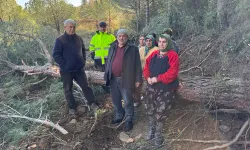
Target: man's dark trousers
{"points": [[118, 93], [81, 80]]}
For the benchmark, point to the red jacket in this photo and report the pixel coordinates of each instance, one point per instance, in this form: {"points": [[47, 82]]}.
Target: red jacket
{"points": [[172, 72]]}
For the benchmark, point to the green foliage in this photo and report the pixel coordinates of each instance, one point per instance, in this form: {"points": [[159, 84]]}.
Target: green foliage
{"points": [[105, 10], [16, 48], [192, 17], [15, 134], [29, 101], [51, 13], [9, 10]]}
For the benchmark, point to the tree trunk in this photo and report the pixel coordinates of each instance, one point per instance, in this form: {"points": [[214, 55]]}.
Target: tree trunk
{"points": [[217, 93], [222, 16], [169, 5], [137, 15], [147, 13], [84, 2]]}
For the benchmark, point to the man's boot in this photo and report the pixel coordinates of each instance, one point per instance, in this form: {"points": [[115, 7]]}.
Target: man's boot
{"points": [[158, 135], [151, 128]]}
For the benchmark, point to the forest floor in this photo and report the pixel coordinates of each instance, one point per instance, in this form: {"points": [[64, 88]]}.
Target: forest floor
{"points": [[185, 121]]}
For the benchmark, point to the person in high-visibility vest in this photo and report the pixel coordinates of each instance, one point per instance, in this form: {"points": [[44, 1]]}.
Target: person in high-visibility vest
{"points": [[99, 45]]}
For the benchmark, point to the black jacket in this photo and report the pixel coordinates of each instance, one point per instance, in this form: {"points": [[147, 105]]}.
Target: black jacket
{"points": [[131, 67], [69, 53]]}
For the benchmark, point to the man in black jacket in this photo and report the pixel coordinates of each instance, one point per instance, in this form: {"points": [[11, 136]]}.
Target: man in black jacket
{"points": [[69, 54], [123, 73]]}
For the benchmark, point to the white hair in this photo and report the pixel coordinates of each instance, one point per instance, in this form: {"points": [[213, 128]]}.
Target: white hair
{"points": [[66, 22]]}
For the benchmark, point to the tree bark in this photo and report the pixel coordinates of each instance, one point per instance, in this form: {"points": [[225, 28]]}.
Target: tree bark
{"points": [[217, 93], [137, 15], [147, 13]]}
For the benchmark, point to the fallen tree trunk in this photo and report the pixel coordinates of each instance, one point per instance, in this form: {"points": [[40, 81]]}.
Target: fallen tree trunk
{"points": [[94, 77], [215, 93]]}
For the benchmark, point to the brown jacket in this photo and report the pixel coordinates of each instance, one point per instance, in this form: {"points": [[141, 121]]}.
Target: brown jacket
{"points": [[142, 54]]}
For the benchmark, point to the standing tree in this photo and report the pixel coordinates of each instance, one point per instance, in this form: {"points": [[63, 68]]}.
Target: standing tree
{"points": [[50, 12]]}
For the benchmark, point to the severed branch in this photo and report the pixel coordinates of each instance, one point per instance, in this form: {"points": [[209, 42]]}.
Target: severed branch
{"points": [[234, 140], [10, 108], [46, 122], [3, 141], [39, 81], [7, 72], [45, 50], [94, 124], [47, 69], [206, 142], [230, 111], [83, 99], [187, 49], [198, 66]]}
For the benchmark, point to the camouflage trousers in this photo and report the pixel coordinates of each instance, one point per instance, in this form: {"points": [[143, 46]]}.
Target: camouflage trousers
{"points": [[157, 102]]}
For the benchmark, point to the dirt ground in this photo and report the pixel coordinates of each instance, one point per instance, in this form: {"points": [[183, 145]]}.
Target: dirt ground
{"points": [[185, 121]]}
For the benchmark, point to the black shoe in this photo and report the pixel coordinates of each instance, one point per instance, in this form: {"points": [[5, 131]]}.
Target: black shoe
{"points": [[128, 126], [115, 121]]}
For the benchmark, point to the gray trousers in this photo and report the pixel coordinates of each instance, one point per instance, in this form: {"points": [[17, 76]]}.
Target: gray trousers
{"points": [[117, 94]]}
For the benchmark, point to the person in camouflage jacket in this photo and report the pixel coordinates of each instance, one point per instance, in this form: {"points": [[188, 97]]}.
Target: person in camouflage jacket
{"points": [[160, 71]]}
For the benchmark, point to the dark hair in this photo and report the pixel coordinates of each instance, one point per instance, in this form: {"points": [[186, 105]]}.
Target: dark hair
{"points": [[154, 35], [102, 24], [169, 31]]}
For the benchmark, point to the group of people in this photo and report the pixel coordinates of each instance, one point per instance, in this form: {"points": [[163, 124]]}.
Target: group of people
{"points": [[125, 65]]}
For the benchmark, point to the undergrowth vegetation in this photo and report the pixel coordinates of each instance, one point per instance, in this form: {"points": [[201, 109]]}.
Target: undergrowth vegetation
{"points": [[19, 97]]}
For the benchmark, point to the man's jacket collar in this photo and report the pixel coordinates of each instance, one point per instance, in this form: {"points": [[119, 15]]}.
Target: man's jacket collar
{"points": [[115, 43], [69, 36]]}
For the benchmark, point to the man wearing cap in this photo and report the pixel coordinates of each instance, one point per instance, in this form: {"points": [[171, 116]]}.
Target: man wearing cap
{"points": [[99, 45], [123, 73], [69, 54]]}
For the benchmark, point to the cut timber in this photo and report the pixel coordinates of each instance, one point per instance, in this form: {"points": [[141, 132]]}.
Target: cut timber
{"points": [[94, 77], [220, 93], [227, 93], [217, 92]]}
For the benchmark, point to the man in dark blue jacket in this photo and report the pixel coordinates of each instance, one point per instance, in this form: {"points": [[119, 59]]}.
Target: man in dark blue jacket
{"points": [[69, 54]]}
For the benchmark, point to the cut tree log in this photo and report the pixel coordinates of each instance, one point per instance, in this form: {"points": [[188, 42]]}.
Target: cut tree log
{"points": [[217, 92], [227, 93], [94, 77]]}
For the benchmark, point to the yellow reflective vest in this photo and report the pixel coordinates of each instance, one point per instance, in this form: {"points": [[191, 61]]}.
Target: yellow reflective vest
{"points": [[100, 44]]}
